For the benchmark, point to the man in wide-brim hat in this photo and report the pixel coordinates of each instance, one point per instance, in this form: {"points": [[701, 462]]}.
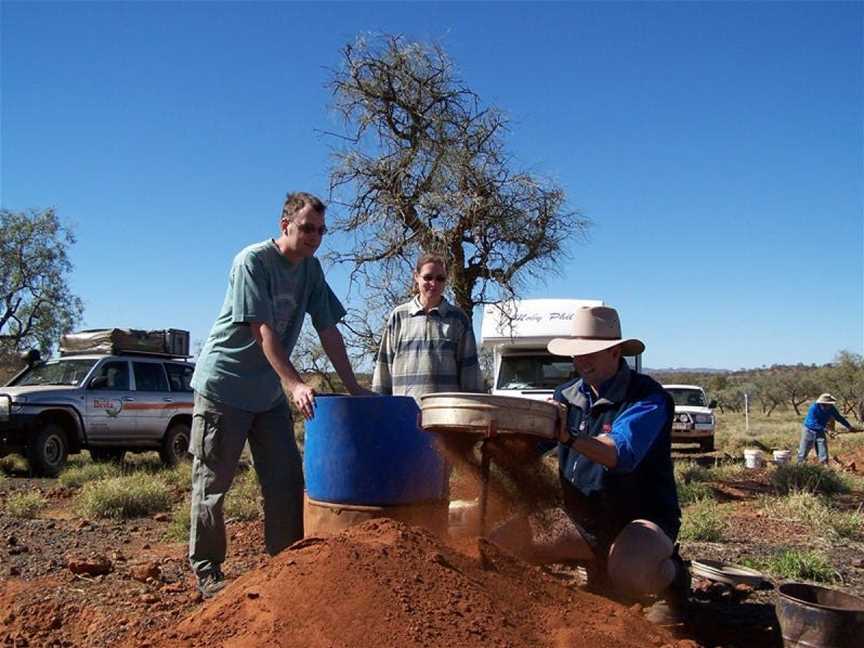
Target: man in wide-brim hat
{"points": [[819, 420], [615, 467]]}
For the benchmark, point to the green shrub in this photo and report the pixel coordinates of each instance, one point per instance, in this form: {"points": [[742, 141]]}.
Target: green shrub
{"points": [[690, 492], [703, 521], [242, 501], [25, 505], [178, 529], [77, 475], [792, 564], [813, 478], [689, 471], [134, 495], [727, 472], [13, 463], [179, 477], [849, 525]]}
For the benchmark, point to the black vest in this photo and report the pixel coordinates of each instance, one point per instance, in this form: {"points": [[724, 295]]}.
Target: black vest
{"points": [[603, 501]]}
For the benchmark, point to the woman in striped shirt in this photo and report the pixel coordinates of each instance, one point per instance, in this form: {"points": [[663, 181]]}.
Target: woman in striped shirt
{"points": [[428, 344]]}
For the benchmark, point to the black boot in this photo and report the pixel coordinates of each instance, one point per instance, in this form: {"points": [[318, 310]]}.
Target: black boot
{"points": [[672, 603]]}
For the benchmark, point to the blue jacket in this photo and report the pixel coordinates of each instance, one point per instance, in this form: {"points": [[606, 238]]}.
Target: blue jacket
{"points": [[636, 413], [819, 415]]}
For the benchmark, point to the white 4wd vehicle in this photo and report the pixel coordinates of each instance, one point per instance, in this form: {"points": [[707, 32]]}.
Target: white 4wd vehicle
{"points": [[106, 403], [694, 419]]}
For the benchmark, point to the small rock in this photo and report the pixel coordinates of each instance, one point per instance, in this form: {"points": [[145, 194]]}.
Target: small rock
{"points": [[145, 571], [11, 540], [162, 517], [742, 591], [252, 595], [83, 524], [90, 566], [149, 598], [146, 545], [859, 563], [17, 550], [14, 571]]}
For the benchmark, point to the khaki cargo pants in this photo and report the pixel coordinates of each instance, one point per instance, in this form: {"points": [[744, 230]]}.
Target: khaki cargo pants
{"points": [[219, 433]]}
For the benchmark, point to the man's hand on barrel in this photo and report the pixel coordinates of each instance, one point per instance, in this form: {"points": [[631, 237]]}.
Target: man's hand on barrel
{"points": [[304, 399]]}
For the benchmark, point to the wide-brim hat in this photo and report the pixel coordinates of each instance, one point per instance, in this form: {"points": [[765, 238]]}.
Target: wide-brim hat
{"points": [[826, 399], [594, 328]]}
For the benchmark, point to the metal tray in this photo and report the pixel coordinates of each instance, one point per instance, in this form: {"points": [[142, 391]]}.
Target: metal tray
{"points": [[472, 413], [726, 573]]}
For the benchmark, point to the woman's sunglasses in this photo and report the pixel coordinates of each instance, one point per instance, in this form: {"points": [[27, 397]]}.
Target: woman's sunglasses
{"points": [[430, 277]]}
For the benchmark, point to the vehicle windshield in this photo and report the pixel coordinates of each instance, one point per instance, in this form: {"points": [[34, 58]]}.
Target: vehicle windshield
{"points": [[57, 372], [691, 397], [527, 372]]}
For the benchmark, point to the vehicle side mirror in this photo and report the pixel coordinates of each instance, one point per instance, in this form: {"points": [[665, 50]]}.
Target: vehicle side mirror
{"points": [[712, 404], [99, 382]]}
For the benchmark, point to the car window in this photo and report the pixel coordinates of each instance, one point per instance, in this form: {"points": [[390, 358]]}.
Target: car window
{"points": [[56, 372], [150, 376], [687, 396], [179, 377], [116, 373]]}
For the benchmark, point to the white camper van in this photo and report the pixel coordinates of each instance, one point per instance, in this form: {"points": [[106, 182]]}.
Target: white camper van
{"points": [[523, 366]]}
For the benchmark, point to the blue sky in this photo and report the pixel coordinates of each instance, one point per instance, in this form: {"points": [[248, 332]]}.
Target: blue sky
{"points": [[717, 147]]}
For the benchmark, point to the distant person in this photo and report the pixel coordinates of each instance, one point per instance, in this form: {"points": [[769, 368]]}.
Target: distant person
{"points": [[428, 344], [820, 419], [616, 474], [242, 376]]}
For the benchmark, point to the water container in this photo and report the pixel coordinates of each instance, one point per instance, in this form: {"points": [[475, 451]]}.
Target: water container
{"points": [[752, 458], [782, 456], [370, 451]]}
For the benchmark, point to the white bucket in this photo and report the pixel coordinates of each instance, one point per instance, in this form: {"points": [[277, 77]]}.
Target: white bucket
{"points": [[752, 458], [782, 456]]}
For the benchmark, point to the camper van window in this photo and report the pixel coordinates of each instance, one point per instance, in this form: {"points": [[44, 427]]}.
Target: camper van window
{"points": [[533, 372]]}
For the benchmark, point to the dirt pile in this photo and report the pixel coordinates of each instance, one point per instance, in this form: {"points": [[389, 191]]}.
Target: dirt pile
{"points": [[385, 584]]}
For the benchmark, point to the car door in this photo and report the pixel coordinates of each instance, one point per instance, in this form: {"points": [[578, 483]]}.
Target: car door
{"points": [[107, 397], [153, 399], [180, 381]]}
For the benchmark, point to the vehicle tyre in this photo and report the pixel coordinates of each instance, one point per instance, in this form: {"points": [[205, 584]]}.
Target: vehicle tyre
{"points": [[707, 445], [48, 450], [175, 444], [101, 455]]}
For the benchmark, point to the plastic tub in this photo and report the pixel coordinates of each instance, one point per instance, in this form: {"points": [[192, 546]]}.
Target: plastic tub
{"points": [[370, 451], [752, 458], [782, 456]]}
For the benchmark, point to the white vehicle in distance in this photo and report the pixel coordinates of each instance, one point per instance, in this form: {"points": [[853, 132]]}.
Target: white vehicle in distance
{"points": [[518, 332], [694, 418]]}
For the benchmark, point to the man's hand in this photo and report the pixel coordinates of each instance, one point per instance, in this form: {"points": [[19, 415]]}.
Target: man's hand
{"points": [[304, 399], [563, 435]]}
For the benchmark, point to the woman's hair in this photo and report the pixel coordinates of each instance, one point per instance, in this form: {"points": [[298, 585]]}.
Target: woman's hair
{"points": [[430, 258]]}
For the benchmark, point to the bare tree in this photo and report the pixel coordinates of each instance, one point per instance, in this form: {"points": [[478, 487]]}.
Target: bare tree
{"points": [[421, 167]]}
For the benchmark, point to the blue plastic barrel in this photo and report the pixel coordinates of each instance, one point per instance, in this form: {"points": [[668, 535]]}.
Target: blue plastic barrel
{"points": [[370, 450]]}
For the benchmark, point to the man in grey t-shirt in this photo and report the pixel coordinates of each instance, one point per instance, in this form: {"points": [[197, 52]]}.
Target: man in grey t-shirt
{"points": [[239, 380]]}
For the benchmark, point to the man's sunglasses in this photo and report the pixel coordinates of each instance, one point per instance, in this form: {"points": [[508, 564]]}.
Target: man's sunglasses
{"points": [[306, 228], [430, 277]]}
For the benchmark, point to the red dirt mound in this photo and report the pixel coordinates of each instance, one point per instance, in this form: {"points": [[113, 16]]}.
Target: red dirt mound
{"points": [[384, 584]]}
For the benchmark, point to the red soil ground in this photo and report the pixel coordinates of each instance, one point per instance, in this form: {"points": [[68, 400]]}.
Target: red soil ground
{"points": [[384, 584]]}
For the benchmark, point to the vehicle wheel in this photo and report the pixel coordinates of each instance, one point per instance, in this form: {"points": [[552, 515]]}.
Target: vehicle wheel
{"points": [[175, 445], [707, 445], [101, 455], [48, 450]]}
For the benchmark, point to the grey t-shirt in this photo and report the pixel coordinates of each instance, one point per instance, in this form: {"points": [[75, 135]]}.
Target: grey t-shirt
{"points": [[266, 287]]}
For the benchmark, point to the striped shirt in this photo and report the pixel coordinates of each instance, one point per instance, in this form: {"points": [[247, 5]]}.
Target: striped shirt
{"points": [[425, 352]]}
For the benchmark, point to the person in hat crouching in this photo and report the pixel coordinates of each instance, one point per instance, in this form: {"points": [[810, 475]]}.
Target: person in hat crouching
{"points": [[820, 417], [615, 467]]}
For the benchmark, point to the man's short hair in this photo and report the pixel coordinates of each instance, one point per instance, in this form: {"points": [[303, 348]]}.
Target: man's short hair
{"points": [[297, 200]]}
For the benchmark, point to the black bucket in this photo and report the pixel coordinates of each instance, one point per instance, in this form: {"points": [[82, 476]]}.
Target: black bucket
{"points": [[817, 617]]}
